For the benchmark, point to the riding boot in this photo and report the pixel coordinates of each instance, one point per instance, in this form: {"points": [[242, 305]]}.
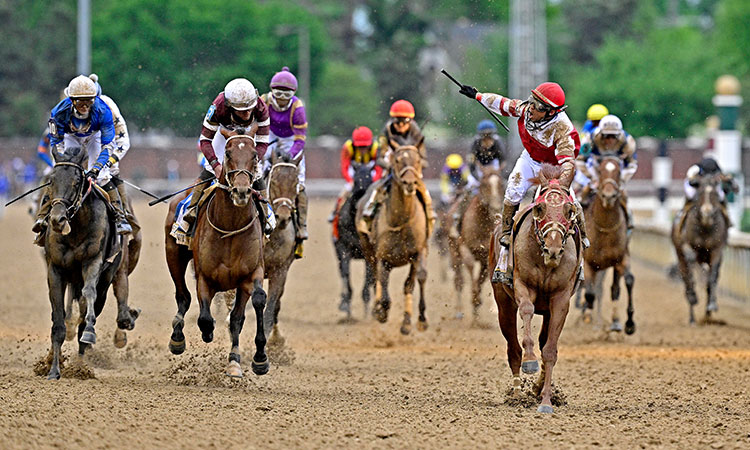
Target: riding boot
{"points": [[429, 212], [509, 210], [191, 214], [126, 205], [40, 225], [302, 214], [364, 225], [581, 221], [121, 221]]}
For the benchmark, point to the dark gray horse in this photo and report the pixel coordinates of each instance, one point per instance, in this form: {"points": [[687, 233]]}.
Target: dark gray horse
{"points": [[703, 231], [346, 240], [76, 244]]}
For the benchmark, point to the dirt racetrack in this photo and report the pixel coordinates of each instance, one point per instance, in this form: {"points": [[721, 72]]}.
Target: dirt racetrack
{"points": [[361, 384]]}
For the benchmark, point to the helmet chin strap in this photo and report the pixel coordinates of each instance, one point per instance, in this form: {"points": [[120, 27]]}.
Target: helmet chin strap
{"points": [[79, 115]]}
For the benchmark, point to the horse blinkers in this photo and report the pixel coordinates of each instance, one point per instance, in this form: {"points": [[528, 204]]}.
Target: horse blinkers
{"points": [[554, 213]]}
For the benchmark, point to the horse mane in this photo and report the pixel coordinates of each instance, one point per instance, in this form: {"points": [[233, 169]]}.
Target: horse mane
{"points": [[546, 173]]}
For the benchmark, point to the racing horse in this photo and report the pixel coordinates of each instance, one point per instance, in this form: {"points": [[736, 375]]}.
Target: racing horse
{"points": [[475, 226], [703, 231], [606, 226], [227, 253], [346, 241], [80, 249], [278, 251], [546, 265], [399, 236]]}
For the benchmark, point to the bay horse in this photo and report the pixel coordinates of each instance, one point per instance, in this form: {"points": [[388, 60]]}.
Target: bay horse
{"points": [[476, 226], [227, 253], [346, 241], [77, 248], [278, 250], [704, 231], [399, 237], [545, 272], [606, 226]]}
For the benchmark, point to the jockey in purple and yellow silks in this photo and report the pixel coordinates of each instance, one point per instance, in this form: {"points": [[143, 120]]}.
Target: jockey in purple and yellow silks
{"points": [[288, 134]]}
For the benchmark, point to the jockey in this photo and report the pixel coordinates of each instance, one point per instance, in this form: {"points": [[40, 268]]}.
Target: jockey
{"points": [[455, 181], [487, 150], [608, 138], [121, 147], [547, 135], [707, 167], [236, 108], [360, 150], [593, 116], [401, 129], [84, 120], [288, 134]]}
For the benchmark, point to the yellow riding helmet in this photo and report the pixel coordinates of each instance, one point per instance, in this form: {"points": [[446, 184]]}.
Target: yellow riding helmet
{"points": [[596, 112], [454, 161]]}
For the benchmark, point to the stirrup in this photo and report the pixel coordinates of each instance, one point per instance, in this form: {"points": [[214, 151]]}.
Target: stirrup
{"points": [[505, 240], [123, 227], [298, 250], [39, 225], [585, 241], [498, 276]]}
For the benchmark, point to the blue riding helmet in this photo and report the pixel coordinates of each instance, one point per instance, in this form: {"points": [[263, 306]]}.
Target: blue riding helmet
{"points": [[486, 126]]}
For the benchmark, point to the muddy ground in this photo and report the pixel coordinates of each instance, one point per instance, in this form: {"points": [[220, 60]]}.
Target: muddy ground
{"points": [[361, 384]]}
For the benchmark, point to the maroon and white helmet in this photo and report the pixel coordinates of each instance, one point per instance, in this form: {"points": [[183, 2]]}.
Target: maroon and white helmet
{"points": [[240, 94]]}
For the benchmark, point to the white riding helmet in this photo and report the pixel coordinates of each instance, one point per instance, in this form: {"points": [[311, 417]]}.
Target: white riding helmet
{"points": [[240, 94], [81, 87], [610, 124]]}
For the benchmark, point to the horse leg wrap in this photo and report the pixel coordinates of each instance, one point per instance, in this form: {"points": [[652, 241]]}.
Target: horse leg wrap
{"points": [[302, 214]]}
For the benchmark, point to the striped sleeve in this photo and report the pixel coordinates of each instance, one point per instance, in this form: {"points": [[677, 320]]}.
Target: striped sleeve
{"points": [[502, 105], [264, 127]]}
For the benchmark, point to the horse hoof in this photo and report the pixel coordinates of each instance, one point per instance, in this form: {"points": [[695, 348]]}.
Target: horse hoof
{"points": [[260, 368], [459, 316], [177, 348], [208, 337], [405, 329], [422, 325], [546, 409], [380, 315], [54, 376], [629, 327], [712, 307], [530, 366], [345, 307], [616, 326], [88, 337], [234, 370], [120, 339], [587, 317]]}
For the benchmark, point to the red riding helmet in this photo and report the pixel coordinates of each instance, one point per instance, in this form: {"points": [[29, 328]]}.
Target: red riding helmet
{"points": [[551, 94], [402, 108], [362, 137]]}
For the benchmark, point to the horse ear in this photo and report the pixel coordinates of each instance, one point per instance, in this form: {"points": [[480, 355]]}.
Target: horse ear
{"points": [[540, 209]]}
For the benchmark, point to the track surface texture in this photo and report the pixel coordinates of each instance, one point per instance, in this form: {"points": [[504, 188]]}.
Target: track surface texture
{"points": [[361, 384]]}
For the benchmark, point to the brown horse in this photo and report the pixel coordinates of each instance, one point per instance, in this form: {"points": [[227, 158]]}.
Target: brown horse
{"points": [[703, 231], [606, 226], [399, 237], [278, 251], [227, 254], [545, 273], [476, 225]]}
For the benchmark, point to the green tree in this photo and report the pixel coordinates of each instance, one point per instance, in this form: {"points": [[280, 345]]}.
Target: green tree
{"points": [[165, 62]]}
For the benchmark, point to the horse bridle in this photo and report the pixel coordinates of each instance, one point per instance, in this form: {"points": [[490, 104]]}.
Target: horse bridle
{"points": [[283, 201], [232, 174], [73, 205], [409, 168], [562, 226]]}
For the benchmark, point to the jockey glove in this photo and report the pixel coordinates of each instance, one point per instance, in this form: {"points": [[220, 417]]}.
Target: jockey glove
{"points": [[92, 174], [469, 91]]}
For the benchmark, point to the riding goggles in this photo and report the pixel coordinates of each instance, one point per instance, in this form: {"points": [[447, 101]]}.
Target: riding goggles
{"points": [[402, 120], [284, 94], [87, 102], [539, 106]]}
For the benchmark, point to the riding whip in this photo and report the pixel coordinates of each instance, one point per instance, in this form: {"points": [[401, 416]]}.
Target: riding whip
{"points": [[168, 196], [494, 116], [27, 193], [140, 189]]}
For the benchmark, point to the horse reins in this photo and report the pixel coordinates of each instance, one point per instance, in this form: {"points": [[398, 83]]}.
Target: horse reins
{"points": [[225, 233]]}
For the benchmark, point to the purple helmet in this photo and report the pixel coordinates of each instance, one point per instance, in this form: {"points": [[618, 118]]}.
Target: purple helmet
{"points": [[284, 79]]}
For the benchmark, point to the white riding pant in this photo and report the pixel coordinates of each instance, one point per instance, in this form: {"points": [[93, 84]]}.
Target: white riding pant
{"points": [[690, 191]]}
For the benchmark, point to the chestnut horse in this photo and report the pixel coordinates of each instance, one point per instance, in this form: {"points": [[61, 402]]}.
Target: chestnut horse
{"points": [[703, 231], [278, 251], [606, 226], [399, 237], [477, 224], [227, 254], [545, 272]]}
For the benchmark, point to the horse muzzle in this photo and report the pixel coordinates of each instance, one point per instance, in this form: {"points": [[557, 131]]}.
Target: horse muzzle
{"points": [[410, 188], [552, 257], [240, 196]]}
